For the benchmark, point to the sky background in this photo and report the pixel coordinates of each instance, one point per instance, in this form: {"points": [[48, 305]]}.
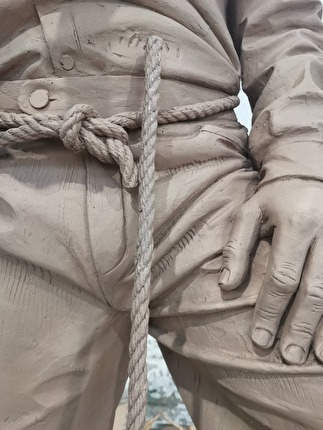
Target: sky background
{"points": [[243, 111]]}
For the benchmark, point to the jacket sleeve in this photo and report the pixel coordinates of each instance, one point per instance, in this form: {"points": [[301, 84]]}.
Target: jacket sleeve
{"points": [[280, 45]]}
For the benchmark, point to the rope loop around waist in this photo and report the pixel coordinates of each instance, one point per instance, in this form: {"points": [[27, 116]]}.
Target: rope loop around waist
{"points": [[81, 128]]}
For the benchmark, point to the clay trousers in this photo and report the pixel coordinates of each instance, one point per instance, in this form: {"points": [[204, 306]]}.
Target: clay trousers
{"points": [[67, 244]]}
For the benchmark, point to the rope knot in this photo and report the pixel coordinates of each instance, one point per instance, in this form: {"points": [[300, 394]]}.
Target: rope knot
{"points": [[83, 129], [73, 132], [105, 138]]}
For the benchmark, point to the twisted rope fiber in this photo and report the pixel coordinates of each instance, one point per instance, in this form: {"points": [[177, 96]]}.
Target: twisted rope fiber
{"points": [[105, 138], [137, 392]]}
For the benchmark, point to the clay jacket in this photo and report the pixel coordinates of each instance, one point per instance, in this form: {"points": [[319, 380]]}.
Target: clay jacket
{"points": [[69, 48]]}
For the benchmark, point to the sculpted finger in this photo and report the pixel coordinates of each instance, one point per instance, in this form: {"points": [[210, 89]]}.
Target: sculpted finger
{"points": [[242, 240], [282, 278], [318, 342], [306, 311]]}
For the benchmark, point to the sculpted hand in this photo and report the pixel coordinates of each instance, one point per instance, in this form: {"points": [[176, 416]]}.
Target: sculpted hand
{"points": [[292, 211]]}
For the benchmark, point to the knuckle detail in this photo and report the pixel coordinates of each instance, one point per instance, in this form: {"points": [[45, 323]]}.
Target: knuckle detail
{"points": [[231, 245], [267, 314], [229, 250], [303, 328], [285, 280], [315, 291], [301, 220]]}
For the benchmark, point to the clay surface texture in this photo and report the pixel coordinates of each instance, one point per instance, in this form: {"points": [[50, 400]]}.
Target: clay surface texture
{"points": [[236, 294]]}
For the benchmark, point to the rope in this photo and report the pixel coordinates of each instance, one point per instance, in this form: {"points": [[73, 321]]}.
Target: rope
{"points": [[81, 129], [105, 138], [137, 391]]}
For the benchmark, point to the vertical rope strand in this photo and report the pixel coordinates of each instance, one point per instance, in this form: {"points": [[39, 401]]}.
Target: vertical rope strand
{"points": [[137, 393]]}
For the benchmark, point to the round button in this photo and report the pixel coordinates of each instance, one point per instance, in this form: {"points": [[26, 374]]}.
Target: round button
{"points": [[67, 62], [39, 99]]}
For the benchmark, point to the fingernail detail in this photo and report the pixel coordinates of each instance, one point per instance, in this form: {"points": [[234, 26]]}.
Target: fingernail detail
{"points": [[262, 337], [294, 354], [224, 276]]}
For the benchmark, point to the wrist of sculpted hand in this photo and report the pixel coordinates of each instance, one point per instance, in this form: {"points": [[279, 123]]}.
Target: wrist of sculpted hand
{"points": [[289, 159]]}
